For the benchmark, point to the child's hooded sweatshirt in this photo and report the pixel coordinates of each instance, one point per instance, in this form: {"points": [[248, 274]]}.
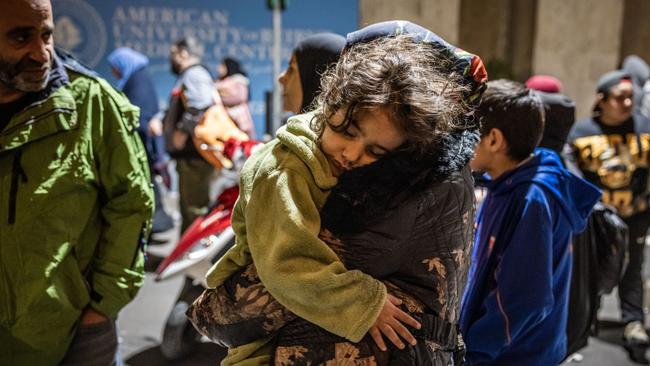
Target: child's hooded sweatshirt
{"points": [[276, 222], [515, 307]]}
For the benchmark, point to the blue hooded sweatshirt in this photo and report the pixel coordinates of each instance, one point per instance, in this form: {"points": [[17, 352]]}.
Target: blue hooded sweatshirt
{"points": [[136, 83], [515, 307]]}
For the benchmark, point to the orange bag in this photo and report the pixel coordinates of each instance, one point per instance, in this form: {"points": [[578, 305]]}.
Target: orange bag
{"points": [[214, 129]]}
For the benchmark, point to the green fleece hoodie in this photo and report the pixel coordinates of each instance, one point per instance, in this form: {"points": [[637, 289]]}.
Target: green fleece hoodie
{"points": [[276, 221]]}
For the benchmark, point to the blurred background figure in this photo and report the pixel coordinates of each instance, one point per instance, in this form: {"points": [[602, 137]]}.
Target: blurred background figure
{"points": [[233, 87], [301, 80], [191, 95], [640, 73], [129, 67], [611, 150], [559, 111], [544, 83], [584, 298]]}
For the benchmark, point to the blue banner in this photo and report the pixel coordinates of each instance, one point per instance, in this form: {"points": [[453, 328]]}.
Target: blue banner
{"points": [[91, 29]]}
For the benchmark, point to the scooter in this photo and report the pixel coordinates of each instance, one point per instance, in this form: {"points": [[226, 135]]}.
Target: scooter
{"points": [[209, 236], [202, 244]]}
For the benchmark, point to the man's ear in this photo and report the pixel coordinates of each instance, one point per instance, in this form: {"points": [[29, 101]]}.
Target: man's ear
{"points": [[600, 99]]}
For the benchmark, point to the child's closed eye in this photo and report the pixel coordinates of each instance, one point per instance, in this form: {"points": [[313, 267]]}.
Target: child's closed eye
{"points": [[376, 152], [348, 133]]}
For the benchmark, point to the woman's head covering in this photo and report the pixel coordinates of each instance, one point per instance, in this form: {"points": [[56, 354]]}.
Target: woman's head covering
{"points": [[233, 67], [126, 61], [468, 65], [313, 55]]}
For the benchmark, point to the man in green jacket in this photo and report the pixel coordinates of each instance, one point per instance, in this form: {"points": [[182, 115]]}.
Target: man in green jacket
{"points": [[75, 199]]}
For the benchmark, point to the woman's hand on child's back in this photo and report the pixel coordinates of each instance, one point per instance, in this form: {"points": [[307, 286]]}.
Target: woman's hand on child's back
{"points": [[390, 322]]}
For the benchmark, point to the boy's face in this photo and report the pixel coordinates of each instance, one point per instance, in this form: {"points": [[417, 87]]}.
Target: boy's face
{"points": [[480, 162], [373, 135], [491, 154]]}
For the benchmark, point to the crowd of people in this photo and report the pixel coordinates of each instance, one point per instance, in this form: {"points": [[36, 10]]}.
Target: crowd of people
{"points": [[358, 235]]}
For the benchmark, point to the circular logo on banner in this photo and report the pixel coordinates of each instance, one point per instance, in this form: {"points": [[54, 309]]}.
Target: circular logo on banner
{"points": [[80, 30]]}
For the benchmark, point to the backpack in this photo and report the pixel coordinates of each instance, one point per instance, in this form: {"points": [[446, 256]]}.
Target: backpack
{"points": [[212, 132], [610, 237], [600, 256]]}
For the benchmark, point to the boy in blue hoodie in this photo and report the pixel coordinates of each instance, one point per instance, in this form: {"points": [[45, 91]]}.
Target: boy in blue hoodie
{"points": [[515, 306]]}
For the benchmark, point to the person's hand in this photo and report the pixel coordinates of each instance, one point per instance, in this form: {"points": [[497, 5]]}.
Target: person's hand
{"points": [[390, 323], [91, 316], [179, 139], [155, 127]]}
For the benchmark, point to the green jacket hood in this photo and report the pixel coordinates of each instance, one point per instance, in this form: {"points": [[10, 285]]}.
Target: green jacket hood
{"points": [[298, 137]]}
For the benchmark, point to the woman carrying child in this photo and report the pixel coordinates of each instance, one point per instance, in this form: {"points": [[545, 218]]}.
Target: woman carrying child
{"points": [[394, 128]]}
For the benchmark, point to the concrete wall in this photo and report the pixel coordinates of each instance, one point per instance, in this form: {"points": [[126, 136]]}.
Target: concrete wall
{"points": [[636, 29], [441, 16], [501, 32], [484, 28], [523, 25], [573, 40], [577, 42]]}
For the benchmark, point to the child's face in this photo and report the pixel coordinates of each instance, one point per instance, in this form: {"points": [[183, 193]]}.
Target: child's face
{"points": [[483, 153], [374, 135], [491, 154]]}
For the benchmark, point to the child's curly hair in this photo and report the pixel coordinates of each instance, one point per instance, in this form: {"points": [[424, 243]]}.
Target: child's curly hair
{"points": [[413, 79]]}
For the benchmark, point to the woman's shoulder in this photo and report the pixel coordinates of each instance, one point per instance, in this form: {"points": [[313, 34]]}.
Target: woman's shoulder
{"points": [[457, 187]]}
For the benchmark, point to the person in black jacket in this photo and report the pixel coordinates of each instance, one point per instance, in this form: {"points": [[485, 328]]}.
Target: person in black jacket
{"points": [[611, 150], [129, 67], [559, 111]]}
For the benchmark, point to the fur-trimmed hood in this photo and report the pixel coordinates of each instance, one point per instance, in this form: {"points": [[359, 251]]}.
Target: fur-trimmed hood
{"points": [[365, 195]]}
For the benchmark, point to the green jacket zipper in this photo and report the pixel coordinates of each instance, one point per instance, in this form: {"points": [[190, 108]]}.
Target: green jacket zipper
{"points": [[18, 175]]}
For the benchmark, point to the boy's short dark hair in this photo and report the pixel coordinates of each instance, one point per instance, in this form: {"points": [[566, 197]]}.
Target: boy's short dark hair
{"points": [[517, 112]]}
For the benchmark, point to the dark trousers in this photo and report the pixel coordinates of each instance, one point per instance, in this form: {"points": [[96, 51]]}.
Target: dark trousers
{"points": [[161, 220], [194, 179], [630, 288], [93, 345]]}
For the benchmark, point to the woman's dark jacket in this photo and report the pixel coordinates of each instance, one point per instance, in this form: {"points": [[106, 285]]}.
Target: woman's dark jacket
{"points": [[413, 229], [411, 226]]}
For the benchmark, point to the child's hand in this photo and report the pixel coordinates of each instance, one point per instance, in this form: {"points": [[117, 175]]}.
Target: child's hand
{"points": [[391, 322]]}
